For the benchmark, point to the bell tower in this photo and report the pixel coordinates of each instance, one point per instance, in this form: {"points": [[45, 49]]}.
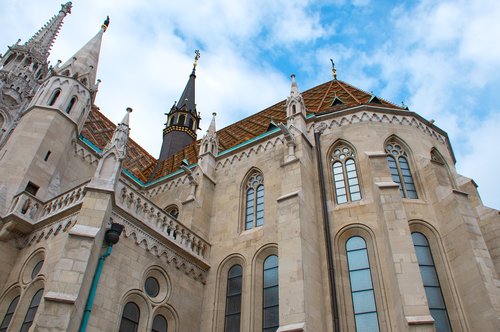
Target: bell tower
{"points": [[183, 120]]}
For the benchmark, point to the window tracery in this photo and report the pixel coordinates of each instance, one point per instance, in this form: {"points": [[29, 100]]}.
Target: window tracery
{"points": [[397, 160], [254, 201], [345, 176]]}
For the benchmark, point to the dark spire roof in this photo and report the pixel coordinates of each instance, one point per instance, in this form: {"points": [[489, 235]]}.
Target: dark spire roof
{"points": [[187, 99]]}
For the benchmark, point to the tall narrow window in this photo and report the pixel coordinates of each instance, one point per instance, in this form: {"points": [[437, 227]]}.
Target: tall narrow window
{"points": [[30, 314], [159, 324], [254, 201], [363, 297], [233, 299], [397, 159], [181, 120], [270, 301], [430, 279], [54, 97], [345, 176], [71, 103], [130, 318], [8, 315]]}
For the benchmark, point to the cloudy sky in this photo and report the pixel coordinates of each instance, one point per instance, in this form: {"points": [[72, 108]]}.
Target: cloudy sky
{"points": [[442, 58]]}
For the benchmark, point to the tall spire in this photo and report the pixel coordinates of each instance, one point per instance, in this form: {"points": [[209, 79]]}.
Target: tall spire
{"points": [[183, 119], [41, 43], [83, 65]]}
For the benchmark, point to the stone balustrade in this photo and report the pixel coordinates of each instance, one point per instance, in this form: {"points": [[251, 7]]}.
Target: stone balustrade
{"points": [[144, 210], [63, 202], [27, 206]]}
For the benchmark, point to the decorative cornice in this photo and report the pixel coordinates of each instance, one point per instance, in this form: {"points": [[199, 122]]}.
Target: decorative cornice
{"points": [[155, 246], [364, 116], [52, 229]]}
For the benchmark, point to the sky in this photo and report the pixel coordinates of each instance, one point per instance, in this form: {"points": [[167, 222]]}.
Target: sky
{"points": [[442, 58]]}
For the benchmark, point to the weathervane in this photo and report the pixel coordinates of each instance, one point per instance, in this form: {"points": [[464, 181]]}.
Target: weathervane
{"points": [[196, 58], [334, 71]]}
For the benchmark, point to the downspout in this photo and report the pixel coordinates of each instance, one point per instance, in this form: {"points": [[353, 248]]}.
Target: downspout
{"points": [[328, 241], [111, 238], [93, 289]]}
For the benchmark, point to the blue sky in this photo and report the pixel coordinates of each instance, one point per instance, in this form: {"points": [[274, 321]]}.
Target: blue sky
{"points": [[442, 58]]}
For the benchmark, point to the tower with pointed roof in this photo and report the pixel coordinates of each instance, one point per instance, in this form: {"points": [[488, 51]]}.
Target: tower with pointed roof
{"points": [[183, 119], [22, 68]]}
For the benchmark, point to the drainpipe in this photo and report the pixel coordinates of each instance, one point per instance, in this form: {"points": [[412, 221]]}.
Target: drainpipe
{"points": [[111, 237], [328, 241]]}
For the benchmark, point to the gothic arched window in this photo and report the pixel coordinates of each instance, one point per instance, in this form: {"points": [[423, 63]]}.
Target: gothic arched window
{"points": [[159, 324], [345, 176], [363, 297], [130, 318], [397, 159], [435, 299], [8, 315], [172, 210], [181, 120], [270, 301], [54, 97], [254, 201], [233, 299], [30, 314], [71, 103]]}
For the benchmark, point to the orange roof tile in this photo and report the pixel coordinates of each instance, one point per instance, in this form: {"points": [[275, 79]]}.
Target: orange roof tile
{"points": [[99, 130]]}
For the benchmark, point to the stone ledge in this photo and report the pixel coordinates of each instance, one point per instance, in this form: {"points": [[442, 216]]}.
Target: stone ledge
{"points": [[376, 154], [287, 196], [297, 327], [289, 162], [386, 185], [419, 320], [60, 297], [459, 192], [84, 231]]}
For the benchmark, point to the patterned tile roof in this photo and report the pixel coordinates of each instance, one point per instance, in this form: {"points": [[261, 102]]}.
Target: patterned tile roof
{"points": [[99, 130]]}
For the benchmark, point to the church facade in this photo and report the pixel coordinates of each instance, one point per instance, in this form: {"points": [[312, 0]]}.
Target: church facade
{"points": [[332, 210]]}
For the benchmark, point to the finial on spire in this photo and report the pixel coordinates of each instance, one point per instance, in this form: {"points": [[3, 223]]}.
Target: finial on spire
{"points": [[334, 71], [196, 58], [105, 25], [66, 8]]}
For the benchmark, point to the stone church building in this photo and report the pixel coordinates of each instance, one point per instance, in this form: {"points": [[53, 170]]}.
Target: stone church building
{"points": [[332, 210]]}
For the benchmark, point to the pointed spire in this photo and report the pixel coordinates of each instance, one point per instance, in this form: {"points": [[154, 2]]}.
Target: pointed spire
{"points": [[295, 103], [211, 128], [83, 65], [187, 99], [41, 43], [120, 137]]}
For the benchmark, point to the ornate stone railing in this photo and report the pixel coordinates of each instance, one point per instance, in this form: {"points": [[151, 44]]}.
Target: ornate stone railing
{"points": [[26, 206], [63, 202], [147, 212]]}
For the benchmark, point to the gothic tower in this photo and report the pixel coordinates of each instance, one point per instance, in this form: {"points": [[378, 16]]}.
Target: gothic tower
{"points": [[22, 68], [182, 120], [52, 120]]}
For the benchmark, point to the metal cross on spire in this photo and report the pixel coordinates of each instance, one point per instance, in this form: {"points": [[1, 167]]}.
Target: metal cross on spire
{"points": [[196, 58]]}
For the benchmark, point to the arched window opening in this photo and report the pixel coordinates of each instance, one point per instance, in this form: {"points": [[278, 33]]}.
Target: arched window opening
{"points": [[172, 210], [72, 103], [130, 318], [191, 122], [294, 109], [54, 97], [9, 59], [159, 324], [435, 299], [233, 299], [254, 201], [363, 297], [345, 176], [181, 120], [8, 315], [397, 160], [270, 301], [30, 314]]}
